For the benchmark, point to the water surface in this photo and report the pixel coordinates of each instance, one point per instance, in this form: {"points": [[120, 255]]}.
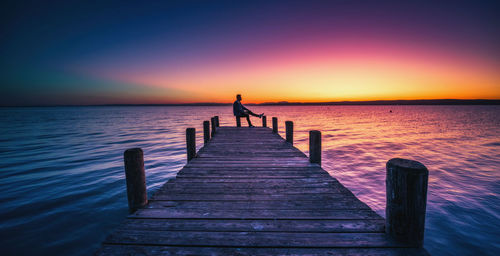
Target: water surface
{"points": [[62, 187]]}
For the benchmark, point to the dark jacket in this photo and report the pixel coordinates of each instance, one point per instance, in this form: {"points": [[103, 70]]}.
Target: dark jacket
{"points": [[238, 109]]}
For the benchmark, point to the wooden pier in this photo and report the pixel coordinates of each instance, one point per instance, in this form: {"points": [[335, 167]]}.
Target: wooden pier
{"points": [[250, 192]]}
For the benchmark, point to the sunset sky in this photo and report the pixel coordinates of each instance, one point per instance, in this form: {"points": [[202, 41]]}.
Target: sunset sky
{"points": [[123, 52]]}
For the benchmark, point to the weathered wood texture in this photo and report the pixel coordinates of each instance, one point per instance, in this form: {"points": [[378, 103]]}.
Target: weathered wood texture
{"points": [[406, 186], [249, 192], [216, 121], [315, 147], [289, 131], [206, 132], [136, 178], [275, 125], [190, 143]]}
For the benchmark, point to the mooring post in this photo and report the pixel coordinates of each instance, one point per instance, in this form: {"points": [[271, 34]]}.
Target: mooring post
{"points": [[275, 125], [289, 131], [136, 179], [315, 147], [216, 121], [264, 121], [238, 121], [214, 125], [406, 192], [206, 131], [190, 143]]}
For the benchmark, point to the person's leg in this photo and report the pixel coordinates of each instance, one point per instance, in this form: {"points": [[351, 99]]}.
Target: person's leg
{"points": [[252, 113], [248, 119]]}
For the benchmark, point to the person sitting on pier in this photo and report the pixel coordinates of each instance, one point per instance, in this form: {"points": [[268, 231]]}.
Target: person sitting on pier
{"points": [[241, 111]]}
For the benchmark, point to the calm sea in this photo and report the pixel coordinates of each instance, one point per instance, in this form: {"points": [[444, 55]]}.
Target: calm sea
{"points": [[62, 187]]}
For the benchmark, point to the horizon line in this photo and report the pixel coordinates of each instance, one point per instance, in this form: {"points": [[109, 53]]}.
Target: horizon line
{"points": [[284, 103]]}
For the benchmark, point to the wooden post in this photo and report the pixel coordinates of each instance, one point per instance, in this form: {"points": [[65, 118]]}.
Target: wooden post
{"points": [[315, 147], [216, 121], [206, 131], [264, 121], [275, 125], [289, 131], [190, 143], [136, 179], [214, 125], [406, 192], [238, 121]]}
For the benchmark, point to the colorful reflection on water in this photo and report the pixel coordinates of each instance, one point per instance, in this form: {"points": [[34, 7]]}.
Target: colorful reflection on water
{"points": [[63, 189]]}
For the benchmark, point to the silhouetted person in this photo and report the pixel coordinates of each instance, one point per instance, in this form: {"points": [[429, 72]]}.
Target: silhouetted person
{"points": [[240, 111]]}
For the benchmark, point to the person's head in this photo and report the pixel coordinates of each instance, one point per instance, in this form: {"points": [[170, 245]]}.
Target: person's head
{"points": [[238, 97]]}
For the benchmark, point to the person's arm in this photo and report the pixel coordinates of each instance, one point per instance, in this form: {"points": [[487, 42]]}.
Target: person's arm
{"points": [[243, 107]]}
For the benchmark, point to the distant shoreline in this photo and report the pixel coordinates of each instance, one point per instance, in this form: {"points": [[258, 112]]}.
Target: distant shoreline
{"points": [[285, 103]]}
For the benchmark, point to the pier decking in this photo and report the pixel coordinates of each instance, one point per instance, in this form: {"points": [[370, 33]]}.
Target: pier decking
{"points": [[249, 192]]}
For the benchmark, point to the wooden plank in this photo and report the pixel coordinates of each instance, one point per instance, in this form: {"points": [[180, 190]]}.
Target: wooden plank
{"points": [[249, 163], [253, 159], [249, 181], [312, 169], [173, 213], [277, 154], [252, 239], [255, 153], [248, 197], [252, 185], [359, 226], [262, 171], [342, 203], [249, 176], [128, 249], [219, 148], [249, 147], [220, 174], [236, 141], [252, 180], [293, 184], [261, 165], [237, 190]]}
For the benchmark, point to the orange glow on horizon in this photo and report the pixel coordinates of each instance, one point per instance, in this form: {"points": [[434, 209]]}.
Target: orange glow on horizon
{"points": [[337, 72]]}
